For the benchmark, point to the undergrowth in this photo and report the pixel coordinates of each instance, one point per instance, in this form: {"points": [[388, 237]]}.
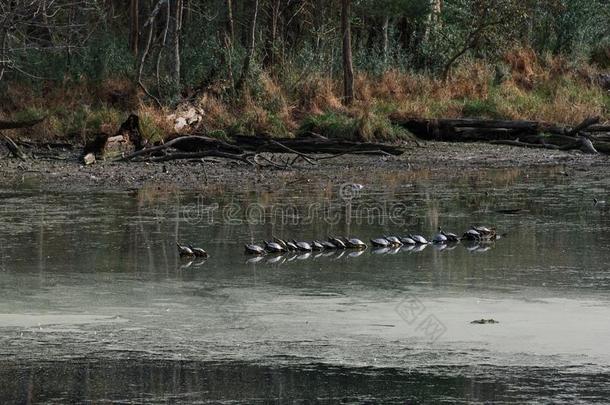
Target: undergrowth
{"points": [[290, 102]]}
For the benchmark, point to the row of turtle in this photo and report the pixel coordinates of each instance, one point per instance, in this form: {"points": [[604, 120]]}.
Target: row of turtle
{"points": [[336, 254], [472, 247], [191, 251], [475, 233], [277, 245]]}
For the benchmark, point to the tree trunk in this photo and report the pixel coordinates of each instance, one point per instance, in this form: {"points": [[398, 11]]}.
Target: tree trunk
{"points": [[245, 72], [168, 14], [386, 38], [176, 29], [134, 27], [348, 68], [3, 52], [230, 24], [432, 19], [270, 43], [318, 23]]}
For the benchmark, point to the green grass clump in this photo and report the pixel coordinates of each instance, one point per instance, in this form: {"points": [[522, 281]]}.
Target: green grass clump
{"points": [[150, 130], [218, 134], [258, 122], [30, 114], [330, 125], [366, 126], [481, 108]]}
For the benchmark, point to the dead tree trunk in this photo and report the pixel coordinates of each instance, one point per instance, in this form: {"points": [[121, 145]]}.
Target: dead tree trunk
{"points": [[386, 38], [348, 68], [432, 20], [134, 26], [271, 37], [176, 29], [586, 136], [245, 72], [230, 24], [150, 23], [3, 52]]}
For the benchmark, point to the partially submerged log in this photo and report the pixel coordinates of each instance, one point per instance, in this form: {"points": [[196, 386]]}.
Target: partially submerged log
{"points": [[585, 136]]}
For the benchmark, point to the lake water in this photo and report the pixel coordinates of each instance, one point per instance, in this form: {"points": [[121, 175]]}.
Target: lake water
{"points": [[97, 306]]}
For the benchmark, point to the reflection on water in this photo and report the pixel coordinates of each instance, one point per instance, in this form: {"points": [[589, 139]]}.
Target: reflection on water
{"points": [[188, 382], [98, 277], [183, 381]]}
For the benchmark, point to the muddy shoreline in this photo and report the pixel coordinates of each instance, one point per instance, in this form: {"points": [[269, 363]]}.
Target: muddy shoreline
{"points": [[66, 173]]}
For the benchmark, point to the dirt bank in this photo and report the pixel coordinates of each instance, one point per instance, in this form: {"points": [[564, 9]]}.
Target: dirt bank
{"points": [[66, 173]]}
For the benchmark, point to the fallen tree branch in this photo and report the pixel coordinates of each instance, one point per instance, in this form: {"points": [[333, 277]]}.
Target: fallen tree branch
{"points": [[524, 144], [299, 154], [202, 154], [272, 163], [14, 149], [149, 94], [195, 142], [314, 145], [586, 145], [583, 125], [20, 124]]}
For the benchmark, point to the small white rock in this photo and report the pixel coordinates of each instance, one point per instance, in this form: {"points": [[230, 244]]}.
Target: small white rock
{"points": [[179, 124], [89, 159]]}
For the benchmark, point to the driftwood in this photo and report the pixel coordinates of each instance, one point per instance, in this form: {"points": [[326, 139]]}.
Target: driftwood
{"points": [[193, 143], [587, 136], [244, 157], [586, 145], [248, 149]]}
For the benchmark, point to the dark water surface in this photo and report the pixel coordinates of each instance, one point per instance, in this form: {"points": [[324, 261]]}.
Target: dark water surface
{"points": [[96, 306]]}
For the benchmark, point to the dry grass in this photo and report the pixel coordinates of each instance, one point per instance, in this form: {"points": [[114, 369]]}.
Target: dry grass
{"points": [[317, 94], [546, 88]]}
